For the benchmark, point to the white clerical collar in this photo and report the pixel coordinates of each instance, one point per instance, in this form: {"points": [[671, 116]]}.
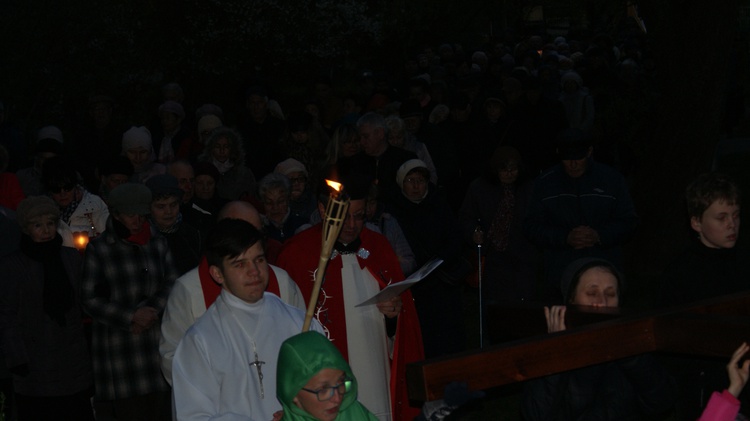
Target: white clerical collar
{"points": [[242, 305]]}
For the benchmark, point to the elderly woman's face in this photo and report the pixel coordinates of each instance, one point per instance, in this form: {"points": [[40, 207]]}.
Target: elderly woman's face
{"points": [[139, 157], [133, 222], [298, 180], [597, 287], [42, 229], [221, 150], [276, 203], [415, 186], [205, 186], [396, 138]]}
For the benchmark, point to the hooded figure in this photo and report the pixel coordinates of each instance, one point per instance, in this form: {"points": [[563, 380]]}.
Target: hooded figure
{"points": [[301, 358]]}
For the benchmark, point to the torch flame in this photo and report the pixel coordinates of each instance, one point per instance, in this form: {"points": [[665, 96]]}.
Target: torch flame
{"points": [[334, 185]]}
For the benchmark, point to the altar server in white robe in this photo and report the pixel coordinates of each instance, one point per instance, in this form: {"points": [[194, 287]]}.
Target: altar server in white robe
{"points": [[225, 366], [196, 290]]}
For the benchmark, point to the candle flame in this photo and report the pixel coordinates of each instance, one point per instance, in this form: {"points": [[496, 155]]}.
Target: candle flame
{"points": [[334, 185], [81, 240]]}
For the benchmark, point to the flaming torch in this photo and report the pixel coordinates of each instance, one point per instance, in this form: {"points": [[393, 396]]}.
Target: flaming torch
{"points": [[336, 210]]}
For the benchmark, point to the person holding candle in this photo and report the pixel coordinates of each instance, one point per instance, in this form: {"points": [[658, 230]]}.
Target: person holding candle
{"points": [[41, 333], [82, 213]]}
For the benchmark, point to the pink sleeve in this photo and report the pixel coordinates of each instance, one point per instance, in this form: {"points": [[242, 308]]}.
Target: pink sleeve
{"points": [[722, 407]]}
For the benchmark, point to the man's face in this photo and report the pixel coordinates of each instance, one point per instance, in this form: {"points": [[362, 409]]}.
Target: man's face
{"points": [[133, 222], [372, 139], [719, 225], [164, 211], [185, 179], [576, 167], [244, 276], [354, 222]]}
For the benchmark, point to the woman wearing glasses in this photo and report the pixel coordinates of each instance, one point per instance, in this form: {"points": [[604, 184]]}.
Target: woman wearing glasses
{"points": [[314, 382], [80, 210]]}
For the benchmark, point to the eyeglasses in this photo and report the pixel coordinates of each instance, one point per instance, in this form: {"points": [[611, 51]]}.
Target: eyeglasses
{"points": [[61, 189], [357, 217], [326, 393]]}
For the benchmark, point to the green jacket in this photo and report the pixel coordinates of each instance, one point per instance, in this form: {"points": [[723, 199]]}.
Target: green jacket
{"points": [[301, 357]]}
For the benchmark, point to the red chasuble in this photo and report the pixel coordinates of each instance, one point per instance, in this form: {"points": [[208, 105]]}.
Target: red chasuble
{"points": [[300, 256]]}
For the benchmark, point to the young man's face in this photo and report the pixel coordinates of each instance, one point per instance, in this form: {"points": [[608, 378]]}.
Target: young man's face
{"points": [[244, 276], [719, 225], [164, 211]]}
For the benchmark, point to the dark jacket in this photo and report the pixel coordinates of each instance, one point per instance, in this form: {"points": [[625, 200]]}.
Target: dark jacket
{"points": [[636, 388], [598, 199], [57, 356]]}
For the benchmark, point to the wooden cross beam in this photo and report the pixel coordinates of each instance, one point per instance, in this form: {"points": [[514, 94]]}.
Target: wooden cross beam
{"points": [[712, 327]]}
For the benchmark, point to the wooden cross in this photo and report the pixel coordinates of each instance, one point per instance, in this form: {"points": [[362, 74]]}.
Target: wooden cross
{"points": [[713, 327]]}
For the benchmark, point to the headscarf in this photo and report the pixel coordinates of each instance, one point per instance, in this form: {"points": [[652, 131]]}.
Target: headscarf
{"points": [[301, 357]]}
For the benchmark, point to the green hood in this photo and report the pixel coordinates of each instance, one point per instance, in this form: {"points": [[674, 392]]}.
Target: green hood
{"points": [[300, 358]]}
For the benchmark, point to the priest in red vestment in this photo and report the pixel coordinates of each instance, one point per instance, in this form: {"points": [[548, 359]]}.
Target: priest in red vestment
{"points": [[377, 340]]}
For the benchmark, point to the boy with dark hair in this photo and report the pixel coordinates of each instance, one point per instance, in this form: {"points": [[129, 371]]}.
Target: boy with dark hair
{"points": [[225, 365]]}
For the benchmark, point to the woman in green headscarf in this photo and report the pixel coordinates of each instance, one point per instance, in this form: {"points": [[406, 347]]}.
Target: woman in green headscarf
{"points": [[313, 382]]}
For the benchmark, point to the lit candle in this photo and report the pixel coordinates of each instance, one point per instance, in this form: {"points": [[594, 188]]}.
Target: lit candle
{"points": [[81, 239]]}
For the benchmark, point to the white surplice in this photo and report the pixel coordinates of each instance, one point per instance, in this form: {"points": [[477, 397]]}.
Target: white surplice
{"points": [[366, 337], [212, 373]]}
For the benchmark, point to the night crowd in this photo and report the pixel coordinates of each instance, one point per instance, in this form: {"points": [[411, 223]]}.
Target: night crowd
{"points": [[162, 268]]}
